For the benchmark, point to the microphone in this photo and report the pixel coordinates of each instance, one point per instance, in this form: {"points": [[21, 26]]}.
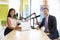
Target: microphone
{"points": [[35, 17], [19, 24], [29, 16]]}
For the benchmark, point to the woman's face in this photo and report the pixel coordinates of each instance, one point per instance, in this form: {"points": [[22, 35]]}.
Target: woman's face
{"points": [[12, 13]]}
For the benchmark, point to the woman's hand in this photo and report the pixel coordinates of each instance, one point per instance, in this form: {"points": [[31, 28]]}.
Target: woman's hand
{"points": [[17, 28]]}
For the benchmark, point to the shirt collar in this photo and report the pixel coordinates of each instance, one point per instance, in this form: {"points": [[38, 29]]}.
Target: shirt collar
{"points": [[47, 16]]}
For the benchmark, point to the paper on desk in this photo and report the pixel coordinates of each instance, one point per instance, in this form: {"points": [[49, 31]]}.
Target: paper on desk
{"points": [[25, 25]]}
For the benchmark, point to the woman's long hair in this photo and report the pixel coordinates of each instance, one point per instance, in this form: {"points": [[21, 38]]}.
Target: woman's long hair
{"points": [[10, 11]]}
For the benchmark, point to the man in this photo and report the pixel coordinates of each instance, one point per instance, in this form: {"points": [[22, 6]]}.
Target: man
{"points": [[50, 24]]}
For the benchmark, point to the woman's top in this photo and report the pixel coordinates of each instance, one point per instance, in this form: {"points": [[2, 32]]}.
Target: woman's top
{"points": [[13, 22]]}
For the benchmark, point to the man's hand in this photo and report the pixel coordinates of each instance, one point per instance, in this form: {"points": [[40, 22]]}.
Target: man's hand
{"points": [[37, 28]]}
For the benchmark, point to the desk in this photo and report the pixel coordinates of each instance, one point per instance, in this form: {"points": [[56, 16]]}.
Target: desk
{"points": [[32, 34]]}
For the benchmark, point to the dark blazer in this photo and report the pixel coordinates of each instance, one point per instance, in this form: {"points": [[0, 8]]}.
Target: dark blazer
{"points": [[52, 26]]}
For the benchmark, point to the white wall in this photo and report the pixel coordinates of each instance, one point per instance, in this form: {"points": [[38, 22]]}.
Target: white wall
{"points": [[35, 6]]}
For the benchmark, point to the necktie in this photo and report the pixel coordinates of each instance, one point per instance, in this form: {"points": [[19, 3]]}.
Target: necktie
{"points": [[46, 26]]}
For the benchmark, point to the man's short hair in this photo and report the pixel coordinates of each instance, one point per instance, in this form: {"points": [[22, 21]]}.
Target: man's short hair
{"points": [[46, 8]]}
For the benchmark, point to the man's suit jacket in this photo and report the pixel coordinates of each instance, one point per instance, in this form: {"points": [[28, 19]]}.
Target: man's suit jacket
{"points": [[52, 26]]}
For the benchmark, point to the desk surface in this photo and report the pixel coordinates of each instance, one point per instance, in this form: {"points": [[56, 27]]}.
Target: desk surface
{"points": [[32, 34]]}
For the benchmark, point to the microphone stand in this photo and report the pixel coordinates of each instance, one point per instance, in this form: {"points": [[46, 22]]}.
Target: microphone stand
{"points": [[34, 20], [33, 24]]}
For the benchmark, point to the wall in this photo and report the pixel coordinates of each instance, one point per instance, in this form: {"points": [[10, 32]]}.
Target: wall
{"points": [[3, 11]]}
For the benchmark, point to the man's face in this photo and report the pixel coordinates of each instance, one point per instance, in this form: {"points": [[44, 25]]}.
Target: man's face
{"points": [[45, 11]]}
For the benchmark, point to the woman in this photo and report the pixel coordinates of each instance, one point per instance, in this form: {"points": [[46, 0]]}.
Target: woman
{"points": [[11, 22]]}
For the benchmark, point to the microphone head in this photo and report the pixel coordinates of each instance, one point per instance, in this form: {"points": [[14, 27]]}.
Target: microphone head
{"points": [[34, 13], [25, 18], [38, 16], [18, 23]]}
